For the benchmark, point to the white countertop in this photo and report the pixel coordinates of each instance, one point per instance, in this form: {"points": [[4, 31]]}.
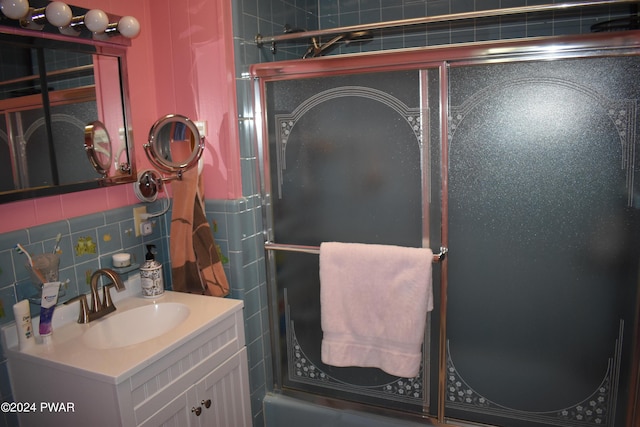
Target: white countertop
{"points": [[67, 350]]}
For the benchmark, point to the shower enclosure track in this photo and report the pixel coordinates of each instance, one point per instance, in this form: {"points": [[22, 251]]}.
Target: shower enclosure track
{"points": [[402, 23]]}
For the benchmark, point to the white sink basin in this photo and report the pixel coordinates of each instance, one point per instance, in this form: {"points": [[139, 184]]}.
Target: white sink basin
{"points": [[136, 325]]}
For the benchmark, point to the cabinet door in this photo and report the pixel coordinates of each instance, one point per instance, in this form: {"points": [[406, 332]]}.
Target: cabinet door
{"points": [[176, 413], [220, 399], [227, 390]]}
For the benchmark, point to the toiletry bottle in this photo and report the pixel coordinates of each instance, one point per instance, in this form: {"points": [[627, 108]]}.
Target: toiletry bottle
{"points": [[47, 306], [151, 276], [22, 314]]}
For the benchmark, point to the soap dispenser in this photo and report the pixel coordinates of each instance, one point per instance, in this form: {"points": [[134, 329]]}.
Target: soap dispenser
{"points": [[151, 275]]}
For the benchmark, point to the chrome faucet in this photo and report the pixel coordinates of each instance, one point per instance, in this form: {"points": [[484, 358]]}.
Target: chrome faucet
{"points": [[98, 307]]}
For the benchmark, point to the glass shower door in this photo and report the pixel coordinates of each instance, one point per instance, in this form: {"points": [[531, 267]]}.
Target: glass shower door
{"points": [[543, 238], [346, 164]]}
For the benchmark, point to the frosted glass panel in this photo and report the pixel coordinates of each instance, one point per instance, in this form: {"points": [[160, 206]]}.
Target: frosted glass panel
{"points": [[346, 165], [543, 236], [347, 159]]}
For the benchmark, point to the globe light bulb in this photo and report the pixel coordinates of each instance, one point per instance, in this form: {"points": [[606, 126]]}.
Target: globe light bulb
{"points": [[58, 14], [14, 9], [128, 26], [96, 21]]}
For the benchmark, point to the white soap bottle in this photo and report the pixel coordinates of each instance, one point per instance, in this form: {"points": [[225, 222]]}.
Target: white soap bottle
{"points": [[151, 275]]}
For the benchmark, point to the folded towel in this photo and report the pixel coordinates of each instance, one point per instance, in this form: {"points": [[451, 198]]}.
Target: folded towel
{"points": [[195, 263], [374, 301]]}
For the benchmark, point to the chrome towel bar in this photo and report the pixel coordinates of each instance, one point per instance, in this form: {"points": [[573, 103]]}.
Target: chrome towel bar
{"points": [[269, 246]]}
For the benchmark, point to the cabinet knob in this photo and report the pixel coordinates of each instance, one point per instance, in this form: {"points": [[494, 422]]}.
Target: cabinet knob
{"points": [[197, 410], [206, 403]]}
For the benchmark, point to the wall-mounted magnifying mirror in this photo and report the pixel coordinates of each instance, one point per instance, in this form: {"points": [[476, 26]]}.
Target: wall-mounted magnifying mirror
{"points": [[97, 144], [175, 145]]}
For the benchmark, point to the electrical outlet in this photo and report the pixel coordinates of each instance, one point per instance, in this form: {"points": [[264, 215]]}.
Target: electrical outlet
{"points": [[202, 127], [146, 228], [136, 218]]}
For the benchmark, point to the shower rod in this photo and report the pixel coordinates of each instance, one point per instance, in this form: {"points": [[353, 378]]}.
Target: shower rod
{"points": [[316, 250], [356, 29]]}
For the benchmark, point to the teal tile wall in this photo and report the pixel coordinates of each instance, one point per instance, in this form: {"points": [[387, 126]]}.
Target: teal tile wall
{"points": [[252, 17], [87, 243], [236, 225]]}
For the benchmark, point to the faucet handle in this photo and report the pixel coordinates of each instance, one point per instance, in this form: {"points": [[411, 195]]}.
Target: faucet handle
{"points": [[83, 314]]}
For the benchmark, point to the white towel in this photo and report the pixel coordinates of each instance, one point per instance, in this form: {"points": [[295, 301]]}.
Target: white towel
{"points": [[374, 301]]}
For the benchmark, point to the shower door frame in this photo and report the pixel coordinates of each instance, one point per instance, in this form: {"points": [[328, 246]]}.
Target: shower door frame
{"points": [[626, 43]]}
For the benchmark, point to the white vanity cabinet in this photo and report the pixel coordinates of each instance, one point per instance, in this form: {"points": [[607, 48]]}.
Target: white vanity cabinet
{"points": [[216, 393], [213, 401], [218, 379], [195, 375]]}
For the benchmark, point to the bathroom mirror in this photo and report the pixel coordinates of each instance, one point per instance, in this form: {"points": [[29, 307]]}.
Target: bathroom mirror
{"points": [[97, 144], [174, 144], [52, 87]]}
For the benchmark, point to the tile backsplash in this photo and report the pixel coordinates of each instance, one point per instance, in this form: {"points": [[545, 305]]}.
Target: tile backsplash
{"points": [[87, 243]]}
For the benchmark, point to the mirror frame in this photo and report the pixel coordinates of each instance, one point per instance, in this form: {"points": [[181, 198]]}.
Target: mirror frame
{"points": [[114, 47], [91, 138], [154, 150]]}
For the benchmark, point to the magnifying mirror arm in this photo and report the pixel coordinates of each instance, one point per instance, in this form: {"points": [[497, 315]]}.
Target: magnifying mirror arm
{"points": [[177, 176], [150, 183]]}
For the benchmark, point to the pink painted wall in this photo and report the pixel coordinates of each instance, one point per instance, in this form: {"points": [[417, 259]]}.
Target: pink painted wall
{"points": [[182, 62]]}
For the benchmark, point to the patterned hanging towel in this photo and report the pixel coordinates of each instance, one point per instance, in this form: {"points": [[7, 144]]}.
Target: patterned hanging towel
{"points": [[195, 262]]}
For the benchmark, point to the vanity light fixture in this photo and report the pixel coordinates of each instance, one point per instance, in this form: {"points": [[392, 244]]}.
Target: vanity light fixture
{"points": [[60, 15]]}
